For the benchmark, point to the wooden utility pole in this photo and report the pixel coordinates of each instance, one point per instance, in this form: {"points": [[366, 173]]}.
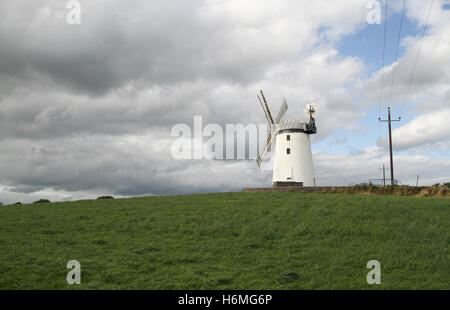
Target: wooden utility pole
{"points": [[390, 142]]}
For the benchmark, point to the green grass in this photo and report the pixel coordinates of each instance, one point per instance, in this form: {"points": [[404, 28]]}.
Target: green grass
{"points": [[228, 241]]}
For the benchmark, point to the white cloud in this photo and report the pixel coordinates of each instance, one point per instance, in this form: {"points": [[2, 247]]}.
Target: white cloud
{"points": [[88, 109], [335, 169], [425, 130]]}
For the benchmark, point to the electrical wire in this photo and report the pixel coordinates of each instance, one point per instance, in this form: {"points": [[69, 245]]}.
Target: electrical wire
{"points": [[382, 64], [382, 68], [396, 51], [417, 57]]}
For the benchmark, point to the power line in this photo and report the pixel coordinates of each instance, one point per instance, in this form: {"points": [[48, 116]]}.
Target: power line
{"points": [[382, 67], [382, 64], [417, 57], [396, 50]]}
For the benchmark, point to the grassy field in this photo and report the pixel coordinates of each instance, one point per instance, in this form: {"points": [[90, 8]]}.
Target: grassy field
{"points": [[228, 241]]}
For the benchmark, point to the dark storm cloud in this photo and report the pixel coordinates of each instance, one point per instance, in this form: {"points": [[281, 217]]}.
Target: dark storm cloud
{"points": [[87, 109], [165, 47], [105, 51], [157, 43], [132, 166]]}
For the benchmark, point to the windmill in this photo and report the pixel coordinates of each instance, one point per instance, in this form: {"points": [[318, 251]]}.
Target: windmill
{"points": [[289, 140]]}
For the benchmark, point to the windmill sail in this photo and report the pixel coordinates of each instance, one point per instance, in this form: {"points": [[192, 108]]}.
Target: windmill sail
{"points": [[281, 111], [266, 112], [266, 148], [266, 109], [273, 125]]}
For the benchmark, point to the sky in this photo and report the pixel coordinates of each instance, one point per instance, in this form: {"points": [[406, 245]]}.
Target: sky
{"points": [[87, 109]]}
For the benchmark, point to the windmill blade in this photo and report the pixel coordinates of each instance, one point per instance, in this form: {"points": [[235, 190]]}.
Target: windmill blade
{"points": [[265, 112], [265, 149], [281, 111], [267, 109]]}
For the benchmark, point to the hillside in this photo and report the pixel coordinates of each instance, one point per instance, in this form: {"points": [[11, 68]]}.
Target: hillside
{"points": [[228, 241]]}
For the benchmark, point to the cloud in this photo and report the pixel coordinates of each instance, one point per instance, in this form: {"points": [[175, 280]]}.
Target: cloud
{"points": [[160, 43], [87, 109], [430, 79], [337, 169], [130, 66], [424, 130]]}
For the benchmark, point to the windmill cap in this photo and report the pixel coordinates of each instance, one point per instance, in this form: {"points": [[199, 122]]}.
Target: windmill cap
{"points": [[312, 106]]}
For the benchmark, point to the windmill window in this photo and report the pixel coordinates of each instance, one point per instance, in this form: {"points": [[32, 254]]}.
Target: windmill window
{"points": [[288, 151], [288, 137]]}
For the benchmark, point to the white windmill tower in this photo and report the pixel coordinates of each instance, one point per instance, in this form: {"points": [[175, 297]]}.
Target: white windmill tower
{"points": [[292, 158]]}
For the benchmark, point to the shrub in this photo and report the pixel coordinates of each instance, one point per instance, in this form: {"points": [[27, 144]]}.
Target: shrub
{"points": [[42, 201], [105, 197]]}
